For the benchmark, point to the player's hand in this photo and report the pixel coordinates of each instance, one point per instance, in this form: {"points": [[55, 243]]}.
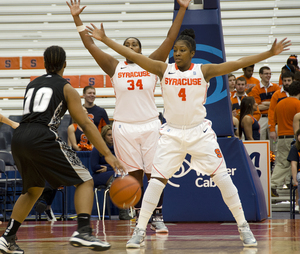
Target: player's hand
{"points": [[75, 7], [183, 3], [278, 47], [96, 33], [102, 169], [115, 163]]}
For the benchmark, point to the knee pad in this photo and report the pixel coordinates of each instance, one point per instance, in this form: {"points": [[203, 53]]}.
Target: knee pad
{"points": [[225, 184], [153, 191]]}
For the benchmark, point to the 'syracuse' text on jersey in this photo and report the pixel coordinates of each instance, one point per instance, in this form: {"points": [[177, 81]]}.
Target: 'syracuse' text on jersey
{"points": [[184, 95], [134, 88], [44, 101]]}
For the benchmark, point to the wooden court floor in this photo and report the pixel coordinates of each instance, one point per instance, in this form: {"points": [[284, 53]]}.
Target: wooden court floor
{"points": [[278, 236]]}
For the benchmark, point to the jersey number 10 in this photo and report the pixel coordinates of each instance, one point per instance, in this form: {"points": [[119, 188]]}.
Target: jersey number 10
{"points": [[40, 102]]}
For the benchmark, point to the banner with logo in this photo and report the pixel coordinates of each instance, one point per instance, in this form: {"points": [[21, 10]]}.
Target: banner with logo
{"points": [[259, 153]]}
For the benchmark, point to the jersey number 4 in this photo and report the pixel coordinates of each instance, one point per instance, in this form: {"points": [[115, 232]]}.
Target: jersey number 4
{"points": [[40, 101], [138, 84], [182, 94]]}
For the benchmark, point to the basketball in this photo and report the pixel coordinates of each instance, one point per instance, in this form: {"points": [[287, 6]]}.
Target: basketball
{"points": [[125, 192]]}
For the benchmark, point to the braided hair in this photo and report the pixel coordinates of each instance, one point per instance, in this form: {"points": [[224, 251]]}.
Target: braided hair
{"points": [[188, 35], [54, 58]]}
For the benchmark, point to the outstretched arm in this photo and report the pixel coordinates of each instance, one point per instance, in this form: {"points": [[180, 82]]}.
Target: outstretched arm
{"points": [[107, 63], [164, 49], [9, 122], [214, 70], [156, 67]]}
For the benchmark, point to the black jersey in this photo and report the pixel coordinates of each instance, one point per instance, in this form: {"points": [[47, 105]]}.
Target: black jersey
{"points": [[44, 101]]}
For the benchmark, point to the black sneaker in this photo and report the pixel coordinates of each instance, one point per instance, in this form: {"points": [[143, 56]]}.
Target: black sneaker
{"points": [[274, 193], [40, 206], [8, 245], [84, 238]]}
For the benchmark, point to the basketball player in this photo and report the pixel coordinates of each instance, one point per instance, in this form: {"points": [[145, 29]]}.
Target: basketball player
{"points": [[136, 124], [184, 86], [41, 156]]}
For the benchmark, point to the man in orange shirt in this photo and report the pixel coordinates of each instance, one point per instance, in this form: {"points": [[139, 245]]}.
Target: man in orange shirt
{"points": [[262, 94], [287, 79], [250, 80], [284, 115], [237, 97]]}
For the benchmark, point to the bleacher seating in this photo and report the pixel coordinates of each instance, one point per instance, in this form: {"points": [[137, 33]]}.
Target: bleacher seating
{"points": [[28, 27]]}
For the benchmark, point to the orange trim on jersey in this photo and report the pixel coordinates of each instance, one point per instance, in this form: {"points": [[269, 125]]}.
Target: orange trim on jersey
{"points": [[75, 126], [125, 62], [191, 67], [219, 165], [158, 171]]}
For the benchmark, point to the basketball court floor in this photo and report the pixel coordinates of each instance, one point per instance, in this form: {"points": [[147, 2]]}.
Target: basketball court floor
{"points": [[277, 235]]}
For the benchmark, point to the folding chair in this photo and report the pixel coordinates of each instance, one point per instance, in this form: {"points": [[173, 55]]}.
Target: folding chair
{"points": [[3, 188], [105, 200], [15, 182], [293, 190]]}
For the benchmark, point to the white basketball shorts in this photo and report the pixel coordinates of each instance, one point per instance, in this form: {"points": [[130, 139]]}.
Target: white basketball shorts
{"points": [[200, 142], [135, 144]]}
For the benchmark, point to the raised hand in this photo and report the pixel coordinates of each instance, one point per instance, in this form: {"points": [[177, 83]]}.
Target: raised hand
{"points": [[75, 7], [96, 33], [184, 3], [278, 47]]}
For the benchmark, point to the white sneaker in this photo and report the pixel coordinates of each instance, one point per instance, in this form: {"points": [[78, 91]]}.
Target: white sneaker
{"points": [[297, 208], [137, 239], [158, 225], [9, 245], [246, 235]]}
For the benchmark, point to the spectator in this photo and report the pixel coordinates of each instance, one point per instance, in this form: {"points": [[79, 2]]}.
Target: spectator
{"points": [[97, 114], [237, 98], [250, 80], [294, 159], [287, 79], [248, 125], [77, 139], [284, 115], [231, 83], [294, 61], [262, 94], [286, 68]]}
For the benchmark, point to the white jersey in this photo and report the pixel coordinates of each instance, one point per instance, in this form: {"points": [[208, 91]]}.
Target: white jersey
{"points": [[184, 96], [134, 89]]}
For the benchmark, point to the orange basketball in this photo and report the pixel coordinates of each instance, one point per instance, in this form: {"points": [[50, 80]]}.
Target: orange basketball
{"points": [[125, 192]]}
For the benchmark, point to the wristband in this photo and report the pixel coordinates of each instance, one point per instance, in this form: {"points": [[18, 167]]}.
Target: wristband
{"points": [[80, 28]]}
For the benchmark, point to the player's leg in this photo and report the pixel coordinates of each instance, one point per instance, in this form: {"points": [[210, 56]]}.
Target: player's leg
{"points": [[168, 158], [148, 147], [20, 211], [208, 158]]}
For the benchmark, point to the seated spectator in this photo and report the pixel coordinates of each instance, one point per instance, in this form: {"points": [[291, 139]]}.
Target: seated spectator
{"points": [[248, 125], [250, 80], [103, 173], [237, 97], [77, 139], [231, 83], [293, 157], [286, 69], [9, 122]]}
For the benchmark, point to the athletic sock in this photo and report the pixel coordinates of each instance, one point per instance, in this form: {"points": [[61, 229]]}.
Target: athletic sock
{"points": [[12, 228], [83, 219]]}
